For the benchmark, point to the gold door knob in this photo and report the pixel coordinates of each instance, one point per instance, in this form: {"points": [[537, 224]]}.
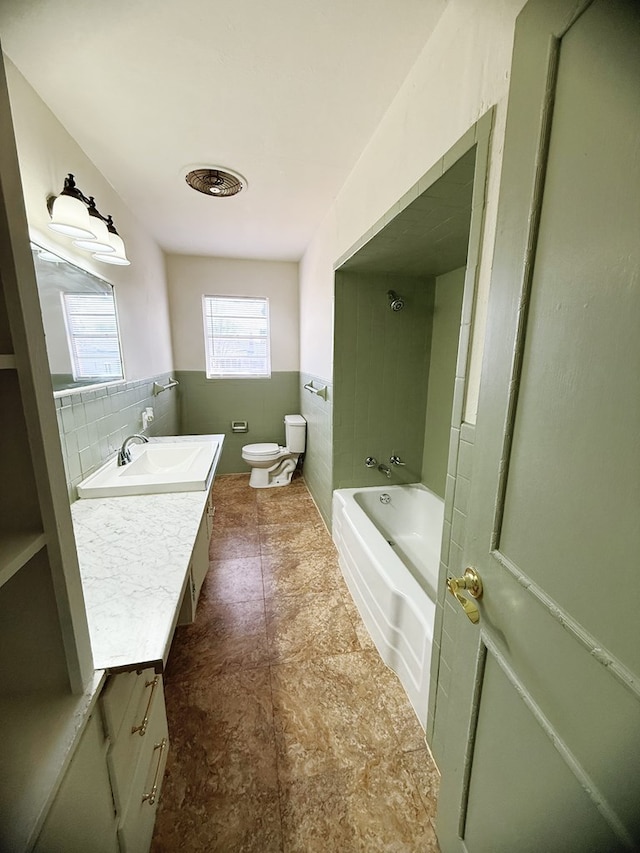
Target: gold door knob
{"points": [[470, 582]]}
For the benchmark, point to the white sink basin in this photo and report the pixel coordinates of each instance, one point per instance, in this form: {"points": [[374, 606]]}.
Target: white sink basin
{"points": [[175, 466]]}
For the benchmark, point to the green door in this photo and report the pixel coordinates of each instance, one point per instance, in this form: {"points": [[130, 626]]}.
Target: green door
{"points": [[542, 744]]}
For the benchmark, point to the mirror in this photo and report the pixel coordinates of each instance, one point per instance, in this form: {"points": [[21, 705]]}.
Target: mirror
{"points": [[80, 324]]}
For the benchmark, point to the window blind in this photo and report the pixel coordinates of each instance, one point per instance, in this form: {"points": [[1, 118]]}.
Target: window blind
{"points": [[236, 330], [92, 331]]}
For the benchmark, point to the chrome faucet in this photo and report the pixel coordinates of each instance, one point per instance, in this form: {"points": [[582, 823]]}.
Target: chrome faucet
{"points": [[384, 470], [395, 460], [124, 455]]}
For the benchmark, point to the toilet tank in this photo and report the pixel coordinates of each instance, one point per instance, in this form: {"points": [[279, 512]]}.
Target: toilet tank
{"points": [[295, 428]]}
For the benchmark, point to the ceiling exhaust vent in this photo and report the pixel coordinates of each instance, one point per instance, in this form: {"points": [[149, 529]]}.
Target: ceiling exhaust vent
{"points": [[218, 183]]}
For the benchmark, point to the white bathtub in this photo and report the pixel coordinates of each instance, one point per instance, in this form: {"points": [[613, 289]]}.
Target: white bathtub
{"points": [[389, 556]]}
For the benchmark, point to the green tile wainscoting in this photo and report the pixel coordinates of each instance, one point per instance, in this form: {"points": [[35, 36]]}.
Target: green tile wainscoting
{"points": [[319, 453], [209, 406], [448, 616], [94, 423]]}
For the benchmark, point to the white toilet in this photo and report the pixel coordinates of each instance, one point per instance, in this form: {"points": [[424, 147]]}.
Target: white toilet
{"points": [[272, 465]]}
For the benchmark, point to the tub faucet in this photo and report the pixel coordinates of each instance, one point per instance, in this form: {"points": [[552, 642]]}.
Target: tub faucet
{"points": [[124, 455], [385, 470]]}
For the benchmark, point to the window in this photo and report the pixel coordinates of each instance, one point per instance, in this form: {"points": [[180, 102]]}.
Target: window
{"points": [[236, 333], [92, 331]]}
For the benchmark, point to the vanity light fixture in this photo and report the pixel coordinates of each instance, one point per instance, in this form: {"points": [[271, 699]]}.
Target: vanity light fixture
{"points": [[76, 215]]}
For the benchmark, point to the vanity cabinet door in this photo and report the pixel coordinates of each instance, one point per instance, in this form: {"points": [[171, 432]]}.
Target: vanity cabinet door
{"points": [[130, 702], [136, 724], [82, 815], [135, 827]]}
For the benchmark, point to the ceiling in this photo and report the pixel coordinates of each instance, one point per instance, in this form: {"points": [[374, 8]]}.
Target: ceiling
{"points": [[431, 235], [285, 92]]}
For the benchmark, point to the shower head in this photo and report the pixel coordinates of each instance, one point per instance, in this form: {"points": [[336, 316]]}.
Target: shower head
{"points": [[396, 303]]}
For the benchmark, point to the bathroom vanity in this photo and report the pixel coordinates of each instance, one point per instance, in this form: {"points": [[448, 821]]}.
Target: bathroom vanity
{"points": [[87, 607], [142, 562]]}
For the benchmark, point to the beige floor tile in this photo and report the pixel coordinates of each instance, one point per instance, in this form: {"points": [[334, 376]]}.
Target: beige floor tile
{"points": [[231, 484], [326, 716], [236, 512], [296, 574], [394, 703], [229, 543], [294, 538], [426, 776], [294, 507], [250, 824], [363, 635], [226, 636], [308, 626], [320, 751], [356, 809], [233, 580], [221, 787], [222, 733]]}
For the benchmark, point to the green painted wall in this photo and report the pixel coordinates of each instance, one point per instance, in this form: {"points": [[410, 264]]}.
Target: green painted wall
{"points": [[209, 406], [381, 368], [449, 290]]}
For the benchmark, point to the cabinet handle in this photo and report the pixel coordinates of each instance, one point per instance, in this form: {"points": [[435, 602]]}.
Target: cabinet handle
{"points": [[142, 728], [151, 796]]}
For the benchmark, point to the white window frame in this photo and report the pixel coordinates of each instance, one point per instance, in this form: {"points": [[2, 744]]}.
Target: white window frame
{"points": [[209, 305], [75, 335]]}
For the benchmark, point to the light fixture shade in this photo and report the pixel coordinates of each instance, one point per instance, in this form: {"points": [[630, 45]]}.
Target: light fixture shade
{"points": [[117, 255], [113, 259], [70, 216], [102, 242]]}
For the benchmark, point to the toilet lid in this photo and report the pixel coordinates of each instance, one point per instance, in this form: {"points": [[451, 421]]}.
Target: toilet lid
{"points": [[264, 449]]}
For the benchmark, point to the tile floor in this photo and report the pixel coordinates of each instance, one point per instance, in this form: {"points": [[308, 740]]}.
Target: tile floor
{"points": [[287, 731]]}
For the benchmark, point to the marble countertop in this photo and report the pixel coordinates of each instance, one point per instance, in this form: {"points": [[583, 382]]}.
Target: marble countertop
{"points": [[134, 555]]}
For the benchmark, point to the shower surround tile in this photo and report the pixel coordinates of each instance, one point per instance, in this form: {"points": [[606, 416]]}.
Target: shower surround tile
{"points": [[288, 733]]}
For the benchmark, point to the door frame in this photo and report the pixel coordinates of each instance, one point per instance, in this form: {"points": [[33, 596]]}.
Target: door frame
{"points": [[540, 28]]}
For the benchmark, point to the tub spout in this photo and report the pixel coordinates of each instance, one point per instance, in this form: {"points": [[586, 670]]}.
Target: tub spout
{"points": [[385, 470]]}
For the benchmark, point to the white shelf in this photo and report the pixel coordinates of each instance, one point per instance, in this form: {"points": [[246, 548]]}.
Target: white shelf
{"points": [[7, 362], [39, 733], [16, 549]]}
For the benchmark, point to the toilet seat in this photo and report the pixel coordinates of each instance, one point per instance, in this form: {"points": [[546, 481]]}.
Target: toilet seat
{"points": [[264, 452], [264, 449]]}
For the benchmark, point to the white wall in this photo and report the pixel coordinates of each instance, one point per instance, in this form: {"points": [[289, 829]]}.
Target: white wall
{"points": [[462, 71], [190, 277], [47, 153]]}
